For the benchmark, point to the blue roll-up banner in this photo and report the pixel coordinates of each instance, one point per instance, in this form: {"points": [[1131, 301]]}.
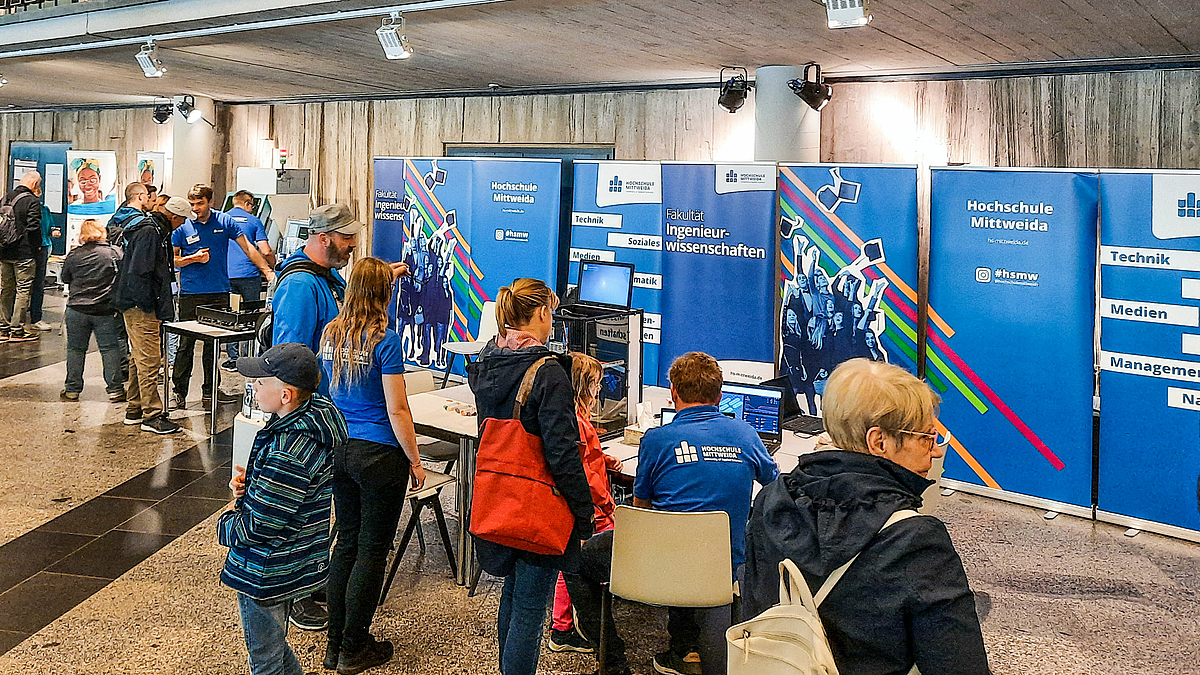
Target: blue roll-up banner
{"points": [[1012, 287], [1150, 346], [465, 227], [848, 237], [701, 238]]}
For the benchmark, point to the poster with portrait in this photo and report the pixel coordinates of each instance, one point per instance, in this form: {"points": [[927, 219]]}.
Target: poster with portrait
{"points": [[92, 188], [151, 168]]}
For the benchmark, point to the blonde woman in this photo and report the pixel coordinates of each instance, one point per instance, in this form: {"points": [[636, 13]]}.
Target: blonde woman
{"points": [[90, 272], [363, 362]]}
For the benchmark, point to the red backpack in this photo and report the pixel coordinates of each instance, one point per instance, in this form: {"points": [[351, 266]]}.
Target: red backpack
{"points": [[515, 502]]}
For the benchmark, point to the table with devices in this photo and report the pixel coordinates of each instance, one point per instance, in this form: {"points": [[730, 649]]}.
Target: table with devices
{"points": [[202, 332]]}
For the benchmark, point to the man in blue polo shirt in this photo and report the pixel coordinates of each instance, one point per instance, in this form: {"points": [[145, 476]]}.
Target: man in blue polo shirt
{"points": [[244, 277], [701, 461], [201, 255]]}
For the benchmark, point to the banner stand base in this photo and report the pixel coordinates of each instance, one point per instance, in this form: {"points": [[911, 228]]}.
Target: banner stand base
{"points": [[1148, 526], [1084, 512]]}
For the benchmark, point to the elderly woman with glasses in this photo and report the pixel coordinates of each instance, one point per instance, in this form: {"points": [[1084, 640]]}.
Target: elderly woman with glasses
{"points": [[905, 600]]}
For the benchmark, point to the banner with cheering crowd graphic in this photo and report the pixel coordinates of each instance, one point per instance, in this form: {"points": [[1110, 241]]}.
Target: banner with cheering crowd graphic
{"points": [[1150, 347], [848, 253], [701, 239], [1012, 269], [465, 227]]}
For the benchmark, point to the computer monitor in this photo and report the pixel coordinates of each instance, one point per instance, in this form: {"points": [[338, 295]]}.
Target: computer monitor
{"points": [[608, 284], [668, 414], [791, 404], [757, 405]]}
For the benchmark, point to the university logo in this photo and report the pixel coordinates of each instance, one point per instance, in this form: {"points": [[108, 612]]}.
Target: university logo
{"points": [[614, 185], [1188, 207], [731, 177], [685, 453]]}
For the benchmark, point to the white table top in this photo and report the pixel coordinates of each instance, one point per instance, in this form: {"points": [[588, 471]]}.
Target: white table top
{"points": [[207, 330], [429, 409]]}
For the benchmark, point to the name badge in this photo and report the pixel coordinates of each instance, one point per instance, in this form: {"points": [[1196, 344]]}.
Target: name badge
{"points": [[174, 288], [194, 239]]}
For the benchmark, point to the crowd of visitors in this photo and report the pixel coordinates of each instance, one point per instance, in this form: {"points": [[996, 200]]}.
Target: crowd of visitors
{"points": [[340, 437]]}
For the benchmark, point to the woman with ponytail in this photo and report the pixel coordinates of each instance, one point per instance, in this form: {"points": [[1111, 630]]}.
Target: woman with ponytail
{"points": [[524, 312], [363, 361]]}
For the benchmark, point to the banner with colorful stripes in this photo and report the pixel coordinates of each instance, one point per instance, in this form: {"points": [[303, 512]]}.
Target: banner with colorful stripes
{"points": [[1011, 305]]}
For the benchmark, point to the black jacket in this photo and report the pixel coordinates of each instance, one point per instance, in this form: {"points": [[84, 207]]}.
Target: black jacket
{"points": [[549, 413], [28, 213], [148, 268], [90, 270], [904, 601]]}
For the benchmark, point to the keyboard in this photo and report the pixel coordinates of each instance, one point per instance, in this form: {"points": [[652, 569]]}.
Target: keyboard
{"points": [[805, 424]]}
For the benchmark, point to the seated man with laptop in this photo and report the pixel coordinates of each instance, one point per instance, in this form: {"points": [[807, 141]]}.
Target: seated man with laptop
{"points": [[702, 461]]}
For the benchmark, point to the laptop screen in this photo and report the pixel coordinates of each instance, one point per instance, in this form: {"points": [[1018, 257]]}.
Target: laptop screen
{"points": [[668, 414], [605, 283], [791, 405], [755, 405]]}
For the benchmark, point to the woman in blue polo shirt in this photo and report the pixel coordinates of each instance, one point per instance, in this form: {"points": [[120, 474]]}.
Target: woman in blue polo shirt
{"points": [[363, 361]]}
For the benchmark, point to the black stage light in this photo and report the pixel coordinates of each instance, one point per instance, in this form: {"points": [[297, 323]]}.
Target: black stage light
{"points": [[162, 112], [814, 92], [734, 90]]}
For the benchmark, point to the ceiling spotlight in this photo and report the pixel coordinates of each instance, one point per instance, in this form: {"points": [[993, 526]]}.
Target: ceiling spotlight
{"points": [[813, 91], [148, 60], [187, 108], [847, 13], [392, 39], [733, 90], [162, 112]]}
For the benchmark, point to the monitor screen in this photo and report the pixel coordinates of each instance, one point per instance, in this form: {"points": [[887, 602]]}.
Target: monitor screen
{"points": [[755, 405], [605, 283], [668, 414]]}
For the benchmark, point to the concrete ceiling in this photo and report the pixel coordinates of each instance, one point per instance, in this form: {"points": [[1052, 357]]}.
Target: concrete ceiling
{"points": [[550, 44]]}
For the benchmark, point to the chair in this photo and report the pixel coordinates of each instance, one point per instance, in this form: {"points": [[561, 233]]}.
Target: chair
{"points": [[487, 330], [668, 558], [430, 496], [418, 382]]}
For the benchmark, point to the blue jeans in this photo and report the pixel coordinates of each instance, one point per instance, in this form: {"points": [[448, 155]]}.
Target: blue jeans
{"points": [[109, 329], [522, 613], [250, 289], [265, 627]]}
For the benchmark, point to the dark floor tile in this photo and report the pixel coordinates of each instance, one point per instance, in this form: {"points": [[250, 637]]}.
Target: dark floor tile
{"points": [[32, 605], [174, 515], [112, 555], [10, 639], [214, 485], [157, 483], [204, 457], [97, 516], [33, 552]]}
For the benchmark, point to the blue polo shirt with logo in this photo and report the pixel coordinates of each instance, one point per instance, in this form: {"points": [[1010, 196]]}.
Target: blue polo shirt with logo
{"points": [[240, 266], [704, 461], [215, 235]]}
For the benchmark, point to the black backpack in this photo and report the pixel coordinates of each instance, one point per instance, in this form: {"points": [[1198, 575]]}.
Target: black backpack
{"points": [[10, 232], [266, 325]]}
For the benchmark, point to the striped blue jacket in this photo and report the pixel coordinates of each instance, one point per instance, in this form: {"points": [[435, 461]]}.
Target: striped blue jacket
{"points": [[278, 531]]}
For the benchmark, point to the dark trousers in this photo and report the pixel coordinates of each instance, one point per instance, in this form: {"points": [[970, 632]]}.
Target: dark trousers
{"points": [[250, 290], [37, 294], [523, 600], [108, 329], [181, 369], [691, 629], [369, 480]]}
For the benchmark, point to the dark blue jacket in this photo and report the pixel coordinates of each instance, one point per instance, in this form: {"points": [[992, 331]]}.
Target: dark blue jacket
{"points": [[148, 268]]}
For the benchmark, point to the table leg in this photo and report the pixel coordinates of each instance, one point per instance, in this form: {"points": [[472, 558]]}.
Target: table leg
{"points": [[449, 367], [216, 388], [466, 477]]}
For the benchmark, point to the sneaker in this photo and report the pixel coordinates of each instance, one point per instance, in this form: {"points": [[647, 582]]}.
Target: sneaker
{"points": [[222, 399], [133, 417], [178, 402], [229, 365], [332, 650], [116, 396], [308, 615], [569, 641], [369, 655], [159, 424], [23, 337], [43, 326], [670, 663], [65, 395]]}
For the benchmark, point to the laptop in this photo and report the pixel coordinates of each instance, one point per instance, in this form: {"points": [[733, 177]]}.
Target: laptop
{"points": [[603, 287], [794, 419], [757, 405]]}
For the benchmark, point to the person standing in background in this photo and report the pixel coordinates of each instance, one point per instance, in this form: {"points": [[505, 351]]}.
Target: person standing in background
{"points": [[137, 203], [244, 277], [37, 294], [90, 271], [18, 260]]}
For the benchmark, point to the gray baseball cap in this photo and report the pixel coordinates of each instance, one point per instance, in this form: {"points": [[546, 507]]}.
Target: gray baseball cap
{"points": [[179, 206], [333, 218]]}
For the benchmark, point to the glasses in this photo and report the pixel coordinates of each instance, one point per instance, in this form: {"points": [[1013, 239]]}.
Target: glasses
{"points": [[936, 440]]}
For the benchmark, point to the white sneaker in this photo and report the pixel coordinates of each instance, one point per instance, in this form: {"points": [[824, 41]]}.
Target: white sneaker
{"points": [[43, 326]]}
